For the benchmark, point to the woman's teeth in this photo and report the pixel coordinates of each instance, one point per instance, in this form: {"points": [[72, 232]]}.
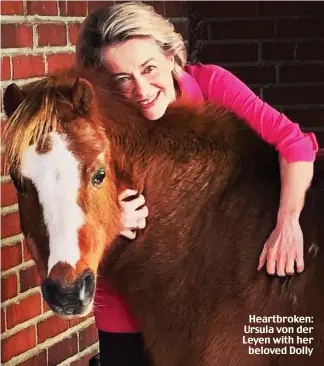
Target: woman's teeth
{"points": [[148, 101]]}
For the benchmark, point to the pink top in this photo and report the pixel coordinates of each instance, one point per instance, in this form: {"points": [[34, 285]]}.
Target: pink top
{"points": [[215, 84]]}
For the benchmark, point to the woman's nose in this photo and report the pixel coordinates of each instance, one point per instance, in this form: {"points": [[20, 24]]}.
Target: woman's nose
{"points": [[142, 87]]}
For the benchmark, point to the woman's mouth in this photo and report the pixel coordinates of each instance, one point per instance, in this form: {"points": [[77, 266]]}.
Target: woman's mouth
{"points": [[148, 103]]}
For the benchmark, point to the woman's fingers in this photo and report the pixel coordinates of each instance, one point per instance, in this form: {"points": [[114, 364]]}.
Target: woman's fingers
{"points": [[130, 217], [134, 213], [263, 258], [127, 193], [133, 204], [141, 223], [283, 249], [300, 260], [130, 234]]}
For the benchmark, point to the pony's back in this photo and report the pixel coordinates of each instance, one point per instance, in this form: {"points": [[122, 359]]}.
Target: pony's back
{"points": [[213, 190]]}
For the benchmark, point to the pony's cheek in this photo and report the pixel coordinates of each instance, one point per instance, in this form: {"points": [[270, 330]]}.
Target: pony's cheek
{"points": [[92, 243], [37, 257]]}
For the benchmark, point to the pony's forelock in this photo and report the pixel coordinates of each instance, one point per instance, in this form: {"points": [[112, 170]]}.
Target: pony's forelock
{"points": [[31, 123]]}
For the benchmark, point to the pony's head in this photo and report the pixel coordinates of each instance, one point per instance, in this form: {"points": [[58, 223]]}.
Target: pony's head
{"points": [[59, 159]]}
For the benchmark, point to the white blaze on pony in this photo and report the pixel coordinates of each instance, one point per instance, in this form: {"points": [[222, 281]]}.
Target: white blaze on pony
{"points": [[56, 177]]}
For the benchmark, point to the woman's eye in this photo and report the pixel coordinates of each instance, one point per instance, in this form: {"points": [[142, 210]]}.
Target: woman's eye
{"points": [[122, 80], [149, 69], [98, 177]]}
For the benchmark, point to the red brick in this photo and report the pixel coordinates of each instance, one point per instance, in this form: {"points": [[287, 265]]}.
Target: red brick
{"points": [[300, 28], [9, 287], [29, 278], [4, 170], [249, 29], [310, 50], [12, 7], [10, 225], [224, 9], [42, 7], [74, 29], [18, 343], [237, 52], [26, 253], [88, 336], [60, 61], [51, 35], [256, 91], [255, 74], [176, 9], [76, 321], [62, 7], [50, 328], [278, 51], [46, 308], [272, 8], [8, 194], [61, 351], [94, 5], [308, 118], [3, 320], [28, 66], [294, 95], [301, 73], [5, 68], [11, 256], [77, 8], [320, 139], [16, 35], [83, 361], [23, 310], [38, 360], [182, 28], [159, 7]]}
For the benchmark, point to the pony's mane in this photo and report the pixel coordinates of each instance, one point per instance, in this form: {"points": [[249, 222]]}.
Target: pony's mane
{"points": [[32, 121]]}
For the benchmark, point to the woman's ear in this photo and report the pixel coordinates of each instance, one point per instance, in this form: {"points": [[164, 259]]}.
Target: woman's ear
{"points": [[171, 62]]}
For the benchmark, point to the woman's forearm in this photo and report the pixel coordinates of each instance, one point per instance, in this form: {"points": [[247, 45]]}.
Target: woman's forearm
{"points": [[295, 180]]}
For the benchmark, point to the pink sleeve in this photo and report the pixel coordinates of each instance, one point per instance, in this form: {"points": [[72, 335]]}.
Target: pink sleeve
{"points": [[227, 90]]}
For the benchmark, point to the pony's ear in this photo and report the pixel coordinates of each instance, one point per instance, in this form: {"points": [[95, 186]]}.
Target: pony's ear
{"points": [[12, 98], [82, 95]]}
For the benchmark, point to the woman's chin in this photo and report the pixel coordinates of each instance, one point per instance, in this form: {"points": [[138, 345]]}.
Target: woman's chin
{"points": [[155, 113]]}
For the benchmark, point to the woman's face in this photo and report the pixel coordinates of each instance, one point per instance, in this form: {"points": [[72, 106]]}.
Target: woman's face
{"points": [[143, 74]]}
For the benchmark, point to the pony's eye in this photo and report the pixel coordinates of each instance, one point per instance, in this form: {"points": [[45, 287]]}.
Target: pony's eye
{"points": [[98, 177]]}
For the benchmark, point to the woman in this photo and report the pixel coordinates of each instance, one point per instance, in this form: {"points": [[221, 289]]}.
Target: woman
{"points": [[147, 59]]}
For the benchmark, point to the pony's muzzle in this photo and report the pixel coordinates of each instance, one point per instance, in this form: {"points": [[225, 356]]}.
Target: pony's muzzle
{"points": [[72, 299]]}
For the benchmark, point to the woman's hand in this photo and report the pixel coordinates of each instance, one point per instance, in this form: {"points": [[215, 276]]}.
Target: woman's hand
{"points": [[133, 214], [284, 247]]}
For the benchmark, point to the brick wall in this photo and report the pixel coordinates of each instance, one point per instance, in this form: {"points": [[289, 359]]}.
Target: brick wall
{"points": [[39, 37], [277, 48]]}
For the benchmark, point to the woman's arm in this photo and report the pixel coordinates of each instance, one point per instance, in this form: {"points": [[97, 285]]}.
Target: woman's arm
{"points": [[297, 154], [285, 245]]}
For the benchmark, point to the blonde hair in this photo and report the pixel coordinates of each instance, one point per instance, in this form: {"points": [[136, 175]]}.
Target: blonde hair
{"points": [[123, 21]]}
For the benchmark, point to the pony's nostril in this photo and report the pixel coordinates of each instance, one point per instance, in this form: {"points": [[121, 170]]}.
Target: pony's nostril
{"points": [[87, 283], [50, 290]]}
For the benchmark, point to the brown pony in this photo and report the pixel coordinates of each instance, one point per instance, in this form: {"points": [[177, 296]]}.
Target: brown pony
{"points": [[212, 187]]}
